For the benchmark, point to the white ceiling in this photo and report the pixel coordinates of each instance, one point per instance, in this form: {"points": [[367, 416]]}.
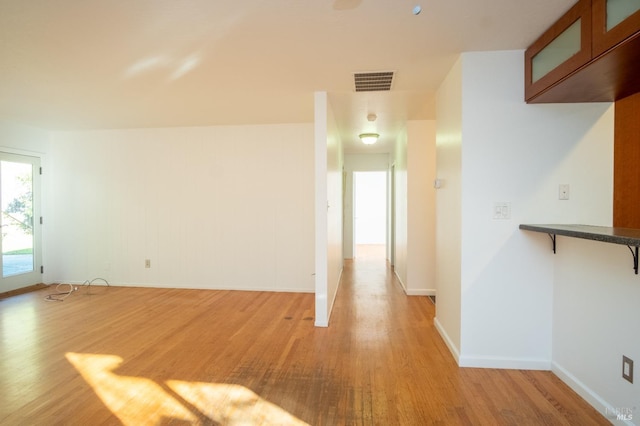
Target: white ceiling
{"points": [[74, 64]]}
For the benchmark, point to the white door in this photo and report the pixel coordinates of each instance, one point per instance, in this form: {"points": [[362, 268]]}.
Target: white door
{"points": [[20, 264]]}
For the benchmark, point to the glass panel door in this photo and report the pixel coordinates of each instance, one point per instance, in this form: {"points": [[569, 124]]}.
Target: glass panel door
{"points": [[619, 10], [20, 231], [563, 47], [614, 21]]}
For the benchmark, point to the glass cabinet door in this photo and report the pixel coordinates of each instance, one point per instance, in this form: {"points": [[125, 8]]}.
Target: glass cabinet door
{"points": [[619, 10], [561, 50], [613, 22]]}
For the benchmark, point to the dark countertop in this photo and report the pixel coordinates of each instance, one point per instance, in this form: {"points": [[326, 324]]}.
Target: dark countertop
{"points": [[629, 237]]}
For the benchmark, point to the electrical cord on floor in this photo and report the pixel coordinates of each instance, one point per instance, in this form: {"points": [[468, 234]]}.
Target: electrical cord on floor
{"points": [[61, 295]]}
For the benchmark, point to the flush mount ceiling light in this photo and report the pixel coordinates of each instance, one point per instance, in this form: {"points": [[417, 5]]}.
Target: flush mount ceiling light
{"points": [[369, 138]]}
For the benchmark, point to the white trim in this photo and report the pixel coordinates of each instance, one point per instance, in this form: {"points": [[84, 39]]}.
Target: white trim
{"points": [[321, 203], [404, 287], [421, 292], [333, 301], [189, 287], [324, 324], [24, 152], [504, 363], [452, 347], [595, 400], [34, 276]]}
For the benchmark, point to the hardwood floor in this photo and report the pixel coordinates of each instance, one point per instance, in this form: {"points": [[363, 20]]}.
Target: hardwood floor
{"points": [[164, 356]]}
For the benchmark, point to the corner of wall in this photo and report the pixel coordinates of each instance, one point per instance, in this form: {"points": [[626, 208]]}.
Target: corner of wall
{"points": [[583, 390], [448, 208], [453, 348]]}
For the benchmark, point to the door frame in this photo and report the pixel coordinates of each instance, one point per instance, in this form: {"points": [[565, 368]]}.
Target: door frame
{"points": [[391, 215], [349, 212], [35, 277]]}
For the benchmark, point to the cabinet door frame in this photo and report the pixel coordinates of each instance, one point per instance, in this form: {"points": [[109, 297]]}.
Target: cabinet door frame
{"points": [[581, 10], [604, 40]]}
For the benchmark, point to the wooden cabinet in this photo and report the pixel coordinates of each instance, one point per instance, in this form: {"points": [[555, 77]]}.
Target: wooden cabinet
{"points": [[613, 22], [561, 50], [603, 68], [626, 157]]}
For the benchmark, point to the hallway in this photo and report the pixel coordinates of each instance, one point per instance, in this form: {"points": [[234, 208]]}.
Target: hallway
{"points": [[401, 372]]}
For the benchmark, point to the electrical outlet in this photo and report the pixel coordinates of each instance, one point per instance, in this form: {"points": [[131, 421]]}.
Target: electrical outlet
{"points": [[147, 263], [627, 369]]}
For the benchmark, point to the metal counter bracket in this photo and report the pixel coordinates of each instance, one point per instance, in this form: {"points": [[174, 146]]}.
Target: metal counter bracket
{"points": [[633, 250], [605, 234], [635, 258]]}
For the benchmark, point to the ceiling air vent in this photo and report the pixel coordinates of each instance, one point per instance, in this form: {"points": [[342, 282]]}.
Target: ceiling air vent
{"points": [[373, 81]]}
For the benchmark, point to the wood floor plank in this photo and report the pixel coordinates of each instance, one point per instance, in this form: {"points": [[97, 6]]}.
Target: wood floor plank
{"points": [[121, 355]]}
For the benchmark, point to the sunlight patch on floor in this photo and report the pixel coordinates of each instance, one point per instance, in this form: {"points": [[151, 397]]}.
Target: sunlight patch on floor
{"points": [[141, 401]]}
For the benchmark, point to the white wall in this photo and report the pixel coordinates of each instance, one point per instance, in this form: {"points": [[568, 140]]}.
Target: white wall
{"points": [[596, 322], [448, 208], [518, 153], [521, 305], [227, 207], [421, 210], [335, 162], [400, 266], [328, 208], [21, 139], [415, 169], [357, 163]]}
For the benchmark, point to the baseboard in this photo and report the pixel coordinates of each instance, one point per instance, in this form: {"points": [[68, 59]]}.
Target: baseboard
{"points": [[334, 296], [447, 340], [190, 287], [324, 324], [22, 290], [504, 363], [595, 400], [489, 362], [414, 292], [404, 287], [421, 292]]}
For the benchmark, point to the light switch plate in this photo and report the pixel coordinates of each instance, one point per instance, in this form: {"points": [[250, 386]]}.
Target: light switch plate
{"points": [[501, 211], [563, 191]]}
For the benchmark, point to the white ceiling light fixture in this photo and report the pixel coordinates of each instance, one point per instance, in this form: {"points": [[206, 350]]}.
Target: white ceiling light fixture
{"points": [[369, 138]]}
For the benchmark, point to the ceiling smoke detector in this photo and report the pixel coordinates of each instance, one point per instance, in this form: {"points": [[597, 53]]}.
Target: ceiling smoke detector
{"points": [[373, 81]]}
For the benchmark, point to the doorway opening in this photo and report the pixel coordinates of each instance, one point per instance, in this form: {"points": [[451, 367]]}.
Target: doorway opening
{"points": [[370, 215]]}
